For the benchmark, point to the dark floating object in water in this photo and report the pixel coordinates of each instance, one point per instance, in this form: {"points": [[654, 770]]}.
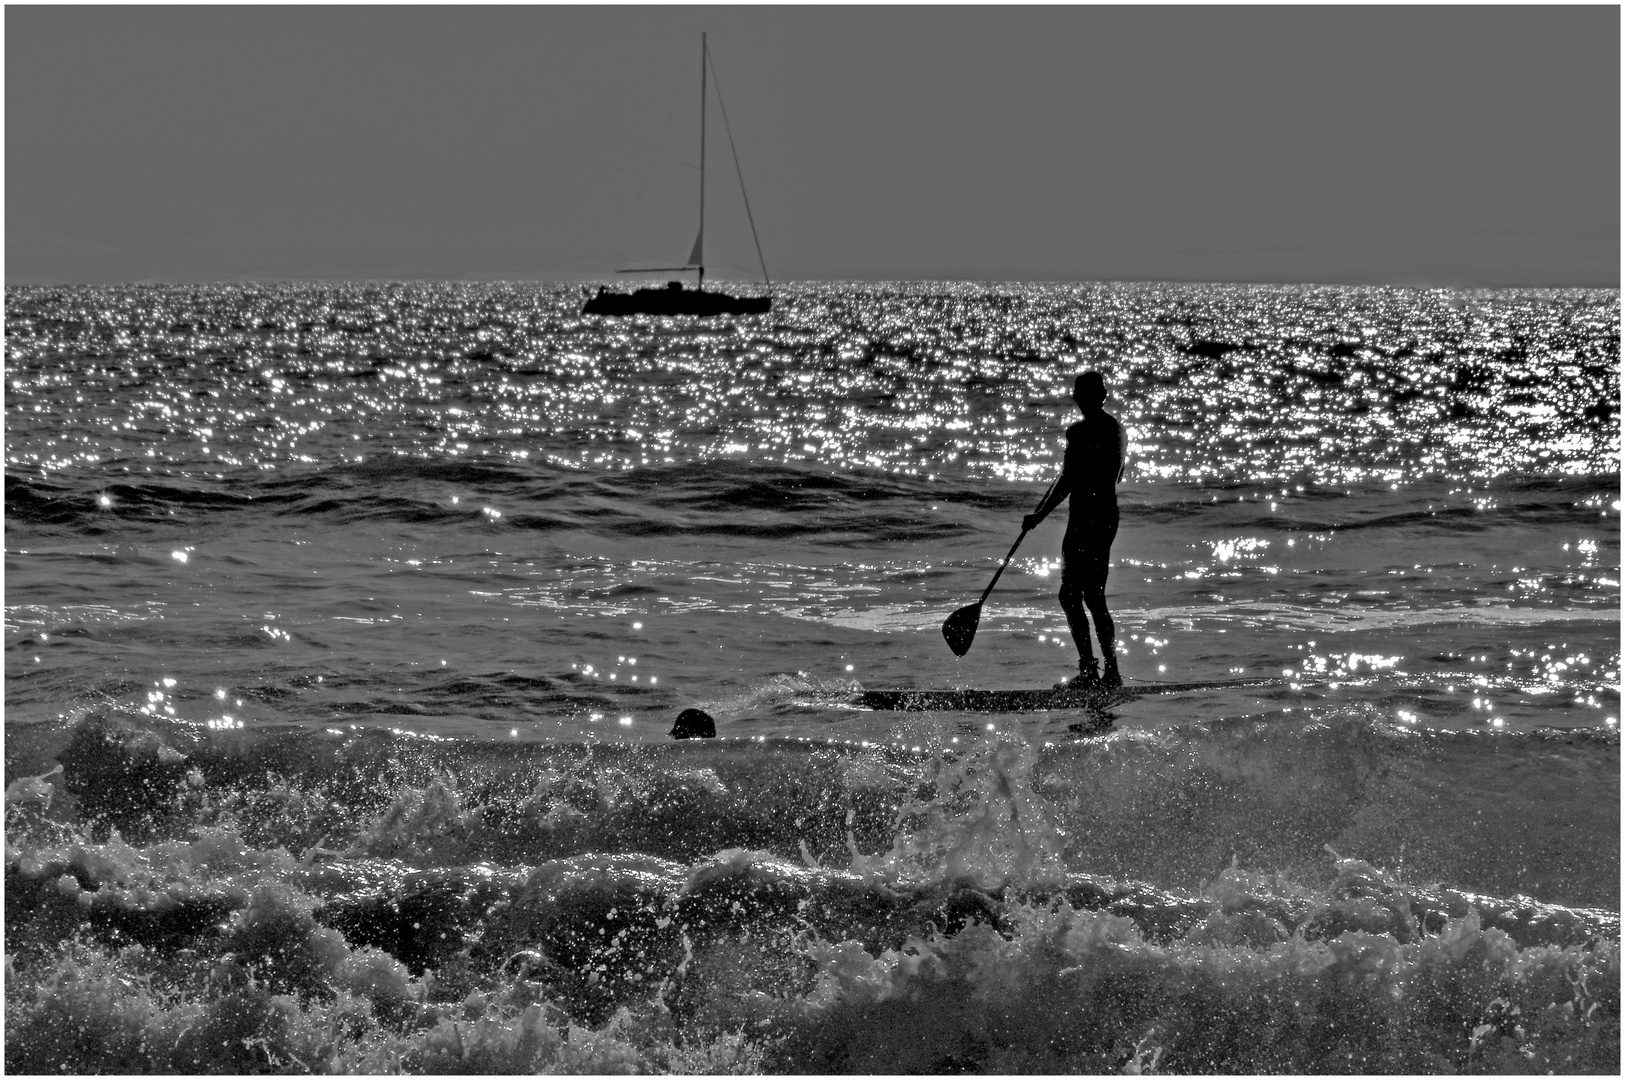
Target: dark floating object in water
{"points": [[694, 724], [673, 300]]}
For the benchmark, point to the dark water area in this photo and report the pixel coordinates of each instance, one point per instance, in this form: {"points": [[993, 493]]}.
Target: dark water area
{"points": [[345, 626]]}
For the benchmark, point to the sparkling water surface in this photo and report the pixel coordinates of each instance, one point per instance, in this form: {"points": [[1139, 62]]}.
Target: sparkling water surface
{"points": [[345, 625], [467, 508]]}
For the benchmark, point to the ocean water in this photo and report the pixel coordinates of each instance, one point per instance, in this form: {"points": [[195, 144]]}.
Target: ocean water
{"points": [[345, 626]]}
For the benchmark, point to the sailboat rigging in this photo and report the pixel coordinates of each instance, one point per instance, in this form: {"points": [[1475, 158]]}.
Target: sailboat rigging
{"points": [[673, 299]]}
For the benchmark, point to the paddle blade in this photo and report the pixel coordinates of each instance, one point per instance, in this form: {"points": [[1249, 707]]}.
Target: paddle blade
{"points": [[959, 630]]}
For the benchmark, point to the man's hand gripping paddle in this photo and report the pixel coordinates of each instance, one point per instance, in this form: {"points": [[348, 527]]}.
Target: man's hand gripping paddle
{"points": [[959, 630]]}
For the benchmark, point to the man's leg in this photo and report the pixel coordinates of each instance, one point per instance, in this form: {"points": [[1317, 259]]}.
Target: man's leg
{"points": [[1094, 598], [1072, 602], [1095, 601]]}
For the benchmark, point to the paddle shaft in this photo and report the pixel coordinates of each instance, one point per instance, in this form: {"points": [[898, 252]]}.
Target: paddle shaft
{"points": [[1009, 554], [1002, 565]]}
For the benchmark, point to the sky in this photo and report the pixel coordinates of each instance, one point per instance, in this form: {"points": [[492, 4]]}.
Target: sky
{"points": [[1445, 146]]}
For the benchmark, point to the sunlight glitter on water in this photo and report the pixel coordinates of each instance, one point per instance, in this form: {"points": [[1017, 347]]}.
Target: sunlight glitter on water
{"points": [[1268, 383], [480, 458]]}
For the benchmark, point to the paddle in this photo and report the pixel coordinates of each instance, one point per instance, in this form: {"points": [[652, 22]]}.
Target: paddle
{"points": [[959, 629]]}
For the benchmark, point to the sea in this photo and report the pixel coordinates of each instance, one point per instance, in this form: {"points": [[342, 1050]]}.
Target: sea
{"points": [[346, 625]]}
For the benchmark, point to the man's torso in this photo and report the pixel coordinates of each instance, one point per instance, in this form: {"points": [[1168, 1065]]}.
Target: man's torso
{"points": [[1094, 456]]}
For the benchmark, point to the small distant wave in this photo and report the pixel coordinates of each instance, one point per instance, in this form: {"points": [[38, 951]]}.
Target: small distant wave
{"points": [[910, 619], [764, 501], [1349, 617], [784, 688], [881, 619], [96, 507], [393, 467]]}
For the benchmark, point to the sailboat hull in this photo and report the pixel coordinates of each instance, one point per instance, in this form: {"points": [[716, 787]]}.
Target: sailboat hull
{"points": [[675, 302]]}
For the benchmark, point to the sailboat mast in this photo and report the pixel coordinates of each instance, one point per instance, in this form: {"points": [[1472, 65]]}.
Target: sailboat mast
{"points": [[704, 56]]}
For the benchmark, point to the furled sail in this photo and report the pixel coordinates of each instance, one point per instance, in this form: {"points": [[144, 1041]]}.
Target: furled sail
{"points": [[697, 257]]}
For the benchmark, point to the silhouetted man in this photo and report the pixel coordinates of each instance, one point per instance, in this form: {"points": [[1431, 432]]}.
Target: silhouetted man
{"points": [[1095, 450]]}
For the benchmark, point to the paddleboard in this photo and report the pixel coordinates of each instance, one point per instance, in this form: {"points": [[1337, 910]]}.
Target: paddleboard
{"points": [[1036, 700]]}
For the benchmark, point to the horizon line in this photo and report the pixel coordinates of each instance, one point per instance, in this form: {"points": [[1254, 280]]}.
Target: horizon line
{"points": [[49, 281]]}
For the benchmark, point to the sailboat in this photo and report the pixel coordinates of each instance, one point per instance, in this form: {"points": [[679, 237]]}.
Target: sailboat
{"points": [[673, 299]]}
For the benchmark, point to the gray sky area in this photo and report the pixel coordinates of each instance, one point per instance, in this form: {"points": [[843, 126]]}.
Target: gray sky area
{"points": [[1393, 144]]}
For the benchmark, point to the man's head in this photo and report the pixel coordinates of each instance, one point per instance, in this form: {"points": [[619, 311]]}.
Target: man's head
{"points": [[1089, 391]]}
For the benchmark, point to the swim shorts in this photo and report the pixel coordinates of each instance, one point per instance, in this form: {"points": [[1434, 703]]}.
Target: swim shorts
{"points": [[1086, 550]]}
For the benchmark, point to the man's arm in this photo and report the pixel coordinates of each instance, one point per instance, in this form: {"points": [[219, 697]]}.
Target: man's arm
{"points": [[1122, 451], [1057, 495]]}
